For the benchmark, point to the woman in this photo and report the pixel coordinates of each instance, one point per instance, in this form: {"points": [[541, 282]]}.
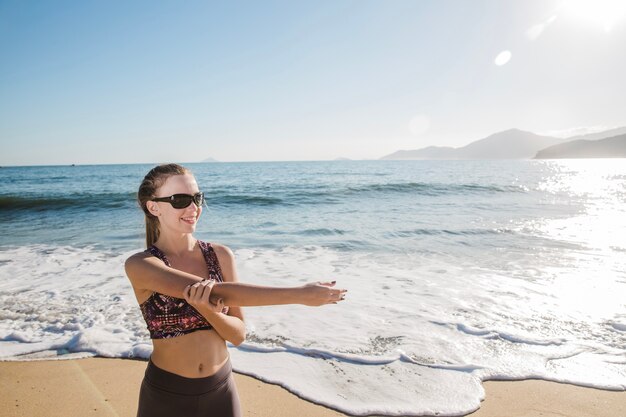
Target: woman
{"points": [[190, 297]]}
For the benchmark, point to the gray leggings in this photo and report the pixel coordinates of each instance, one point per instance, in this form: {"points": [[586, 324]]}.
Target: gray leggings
{"points": [[167, 394]]}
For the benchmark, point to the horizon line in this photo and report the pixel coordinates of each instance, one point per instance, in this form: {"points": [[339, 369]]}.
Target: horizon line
{"points": [[182, 163]]}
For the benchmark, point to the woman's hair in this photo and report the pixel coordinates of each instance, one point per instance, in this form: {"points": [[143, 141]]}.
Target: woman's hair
{"points": [[147, 191]]}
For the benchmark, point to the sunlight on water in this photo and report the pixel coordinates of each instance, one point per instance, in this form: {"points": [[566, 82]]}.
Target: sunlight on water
{"points": [[601, 221], [590, 284]]}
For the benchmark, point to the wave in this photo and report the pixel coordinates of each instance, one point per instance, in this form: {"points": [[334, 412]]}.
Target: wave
{"points": [[513, 338], [310, 232], [335, 195], [322, 232], [434, 232], [69, 201], [255, 200], [433, 189], [224, 198]]}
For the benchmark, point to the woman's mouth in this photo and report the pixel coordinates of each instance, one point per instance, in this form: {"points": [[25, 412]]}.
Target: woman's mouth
{"points": [[189, 220]]}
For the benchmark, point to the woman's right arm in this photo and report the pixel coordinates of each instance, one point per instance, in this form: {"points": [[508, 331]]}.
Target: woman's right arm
{"points": [[149, 273]]}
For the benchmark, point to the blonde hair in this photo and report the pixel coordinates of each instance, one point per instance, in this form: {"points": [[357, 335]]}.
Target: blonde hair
{"points": [[147, 191]]}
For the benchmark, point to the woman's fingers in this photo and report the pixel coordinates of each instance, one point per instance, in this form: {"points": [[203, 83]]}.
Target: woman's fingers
{"points": [[199, 292], [193, 290], [204, 290], [335, 295], [320, 293], [207, 288]]}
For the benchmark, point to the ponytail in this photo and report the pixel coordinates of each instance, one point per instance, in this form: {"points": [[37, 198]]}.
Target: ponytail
{"points": [[152, 230]]}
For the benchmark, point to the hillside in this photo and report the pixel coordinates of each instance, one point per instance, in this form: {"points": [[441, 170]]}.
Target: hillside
{"points": [[509, 144], [431, 152], [614, 147], [600, 135]]}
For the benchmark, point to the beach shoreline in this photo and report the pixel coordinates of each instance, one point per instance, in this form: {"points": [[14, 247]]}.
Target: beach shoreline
{"points": [[110, 387], [456, 272]]}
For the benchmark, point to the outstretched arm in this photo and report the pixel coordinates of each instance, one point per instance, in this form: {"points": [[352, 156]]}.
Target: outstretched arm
{"points": [[238, 294], [147, 272]]}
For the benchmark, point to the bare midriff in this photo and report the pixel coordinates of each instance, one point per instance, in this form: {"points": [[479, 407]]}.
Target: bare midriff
{"points": [[194, 355]]}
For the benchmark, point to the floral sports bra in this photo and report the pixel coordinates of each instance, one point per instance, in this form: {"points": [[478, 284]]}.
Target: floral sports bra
{"points": [[168, 316]]}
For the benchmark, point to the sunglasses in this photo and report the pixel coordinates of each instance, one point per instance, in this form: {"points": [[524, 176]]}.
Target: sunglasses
{"points": [[181, 201]]}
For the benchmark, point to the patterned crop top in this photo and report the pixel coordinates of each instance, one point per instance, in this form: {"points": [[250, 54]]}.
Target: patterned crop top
{"points": [[168, 316]]}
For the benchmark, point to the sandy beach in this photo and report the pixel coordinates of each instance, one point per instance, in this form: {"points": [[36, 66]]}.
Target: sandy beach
{"points": [[110, 387]]}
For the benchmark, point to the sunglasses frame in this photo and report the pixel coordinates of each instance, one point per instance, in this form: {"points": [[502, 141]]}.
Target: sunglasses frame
{"points": [[192, 199]]}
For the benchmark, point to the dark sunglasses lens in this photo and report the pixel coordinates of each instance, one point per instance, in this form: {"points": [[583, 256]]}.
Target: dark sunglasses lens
{"points": [[181, 201]]}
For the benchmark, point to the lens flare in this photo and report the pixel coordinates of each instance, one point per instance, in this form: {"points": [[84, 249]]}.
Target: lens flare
{"points": [[419, 124], [502, 58]]}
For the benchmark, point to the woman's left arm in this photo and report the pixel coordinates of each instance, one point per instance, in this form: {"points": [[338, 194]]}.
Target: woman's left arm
{"points": [[230, 326]]}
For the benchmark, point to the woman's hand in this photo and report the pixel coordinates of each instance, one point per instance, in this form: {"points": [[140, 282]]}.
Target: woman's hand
{"points": [[198, 296], [320, 293]]}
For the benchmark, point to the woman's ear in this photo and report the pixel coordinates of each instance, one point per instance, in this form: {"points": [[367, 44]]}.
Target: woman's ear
{"points": [[153, 208]]}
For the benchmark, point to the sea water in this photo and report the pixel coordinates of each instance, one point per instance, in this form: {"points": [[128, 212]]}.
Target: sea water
{"points": [[457, 272]]}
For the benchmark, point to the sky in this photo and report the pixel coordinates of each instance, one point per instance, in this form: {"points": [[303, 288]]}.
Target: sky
{"points": [[94, 82]]}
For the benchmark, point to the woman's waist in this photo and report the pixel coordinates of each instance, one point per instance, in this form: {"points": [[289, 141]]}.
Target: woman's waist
{"points": [[190, 356], [164, 380]]}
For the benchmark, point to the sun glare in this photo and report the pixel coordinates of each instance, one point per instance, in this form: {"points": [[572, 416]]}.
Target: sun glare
{"points": [[602, 12]]}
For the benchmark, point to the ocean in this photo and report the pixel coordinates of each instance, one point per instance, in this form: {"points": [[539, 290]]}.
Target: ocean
{"points": [[457, 272]]}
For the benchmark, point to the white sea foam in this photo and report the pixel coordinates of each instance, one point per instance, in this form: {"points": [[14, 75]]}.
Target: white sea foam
{"points": [[396, 388], [416, 335]]}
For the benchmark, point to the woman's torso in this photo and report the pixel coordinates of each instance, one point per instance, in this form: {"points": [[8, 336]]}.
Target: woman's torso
{"points": [[194, 355]]}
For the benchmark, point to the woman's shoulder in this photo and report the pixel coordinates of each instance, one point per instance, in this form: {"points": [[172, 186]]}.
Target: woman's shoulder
{"points": [[226, 261], [220, 249], [225, 256], [139, 257]]}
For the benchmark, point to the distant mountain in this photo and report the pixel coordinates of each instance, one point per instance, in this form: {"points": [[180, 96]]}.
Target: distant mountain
{"points": [[431, 152], [209, 160], [510, 144], [600, 135], [341, 158], [614, 147]]}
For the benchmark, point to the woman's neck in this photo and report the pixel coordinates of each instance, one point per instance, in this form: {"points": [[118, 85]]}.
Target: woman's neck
{"points": [[176, 245]]}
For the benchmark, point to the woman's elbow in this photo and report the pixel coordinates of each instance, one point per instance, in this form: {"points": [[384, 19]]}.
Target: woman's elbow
{"points": [[239, 338], [236, 341]]}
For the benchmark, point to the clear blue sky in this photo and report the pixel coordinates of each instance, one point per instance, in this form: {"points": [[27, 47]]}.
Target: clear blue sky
{"points": [[156, 81]]}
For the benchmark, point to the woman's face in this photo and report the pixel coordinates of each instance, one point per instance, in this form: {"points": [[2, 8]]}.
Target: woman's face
{"points": [[172, 219]]}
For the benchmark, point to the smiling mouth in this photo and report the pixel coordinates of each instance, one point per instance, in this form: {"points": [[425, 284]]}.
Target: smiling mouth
{"points": [[190, 220]]}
